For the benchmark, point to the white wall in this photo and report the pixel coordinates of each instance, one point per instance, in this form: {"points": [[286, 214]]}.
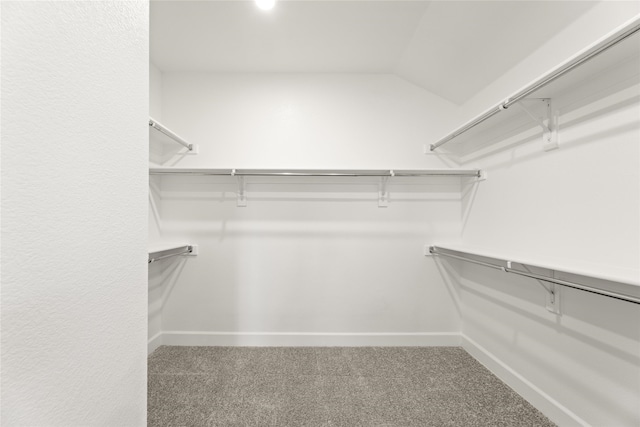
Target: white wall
{"points": [[74, 184], [303, 120], [578, 205], [155, 92], [307, 261], [156, 269], [158, 274]]}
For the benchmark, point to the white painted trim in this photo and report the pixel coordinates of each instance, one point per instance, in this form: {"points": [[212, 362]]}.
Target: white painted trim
{"points": [[546, 404], [154, 342], [306, 339]]}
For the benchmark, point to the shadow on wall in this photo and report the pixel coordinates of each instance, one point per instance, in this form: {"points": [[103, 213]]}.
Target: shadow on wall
{"points": [[163, 276], [154, 211], [525, 298], [585, 356], [301, 190], [591, 137], [469, 193], [453, 286], [165, 153]]}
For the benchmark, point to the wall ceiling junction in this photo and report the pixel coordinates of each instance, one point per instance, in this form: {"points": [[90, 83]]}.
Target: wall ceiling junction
{"points": [[450, 48]]}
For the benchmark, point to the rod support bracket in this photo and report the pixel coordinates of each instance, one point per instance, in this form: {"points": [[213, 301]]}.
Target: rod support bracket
{"points": [[242, 196], [548, 123], [553, 299], [192, 149], [550, 136], [383, 193]]}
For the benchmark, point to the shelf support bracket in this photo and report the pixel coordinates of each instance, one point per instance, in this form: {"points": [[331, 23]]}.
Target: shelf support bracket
{"points": [[552, 303], [553, 299], [242, 196], [549, 123], [383, 194]]}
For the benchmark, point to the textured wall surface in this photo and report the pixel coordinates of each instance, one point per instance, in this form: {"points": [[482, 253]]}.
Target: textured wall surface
{"points": [[74, 211]]}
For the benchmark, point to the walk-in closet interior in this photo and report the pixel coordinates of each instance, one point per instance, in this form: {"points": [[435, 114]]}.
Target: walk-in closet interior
{"points": [[376, 213], [404, 173]]}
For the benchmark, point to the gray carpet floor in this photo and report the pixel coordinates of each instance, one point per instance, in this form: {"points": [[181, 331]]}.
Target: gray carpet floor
{"points": [[329, 386]]}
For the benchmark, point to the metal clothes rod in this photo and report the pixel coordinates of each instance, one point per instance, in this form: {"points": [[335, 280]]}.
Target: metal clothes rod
{"points": [[157, 256], [434, 250], [616, 295], [312, 172], [160, 128], [618, 35]]}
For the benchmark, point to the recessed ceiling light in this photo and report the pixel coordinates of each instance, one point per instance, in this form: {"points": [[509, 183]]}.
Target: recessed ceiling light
{"points": [[265, 4]]}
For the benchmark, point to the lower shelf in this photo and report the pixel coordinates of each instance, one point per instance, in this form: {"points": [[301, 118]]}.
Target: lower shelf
{"points": [[161, 252]]}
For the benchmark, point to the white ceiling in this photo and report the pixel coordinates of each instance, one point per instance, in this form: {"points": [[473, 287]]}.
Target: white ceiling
{"points": [[451, 48]]}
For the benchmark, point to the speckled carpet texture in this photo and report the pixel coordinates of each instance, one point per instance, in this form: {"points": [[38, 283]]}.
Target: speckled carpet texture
{"points": [[329, 386]]}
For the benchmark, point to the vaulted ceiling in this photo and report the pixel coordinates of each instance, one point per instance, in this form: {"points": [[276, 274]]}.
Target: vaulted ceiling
{"points": [[450, 48]]}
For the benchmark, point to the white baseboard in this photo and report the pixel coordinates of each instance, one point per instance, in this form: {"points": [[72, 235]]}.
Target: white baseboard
{"points": [[302, 339], [154, 342], [556, 412]]}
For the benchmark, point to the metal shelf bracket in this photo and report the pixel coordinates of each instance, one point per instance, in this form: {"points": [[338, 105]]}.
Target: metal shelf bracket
{"points": [[549, 123], [383, 193], [552, 302], [242, 196], [553, 299]]}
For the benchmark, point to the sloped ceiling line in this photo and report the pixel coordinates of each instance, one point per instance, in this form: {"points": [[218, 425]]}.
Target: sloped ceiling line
{"points": [[450, 48]]}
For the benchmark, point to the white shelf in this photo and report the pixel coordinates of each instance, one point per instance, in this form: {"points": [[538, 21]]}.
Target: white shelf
{"points": [[158, 251], [384, 176], [612, 60], [158, 131], [597, 271], [619, 283]]}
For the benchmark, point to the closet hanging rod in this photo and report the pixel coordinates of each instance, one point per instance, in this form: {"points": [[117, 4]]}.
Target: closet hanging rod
{"points": [[160, 128], [621, 33], [434, 250], [157, 256], [313, 172]]}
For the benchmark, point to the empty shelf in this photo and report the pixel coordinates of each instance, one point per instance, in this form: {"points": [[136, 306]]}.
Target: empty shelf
{"points": [[617, 49], [162, 252], [157, 130], [616, 283]]}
